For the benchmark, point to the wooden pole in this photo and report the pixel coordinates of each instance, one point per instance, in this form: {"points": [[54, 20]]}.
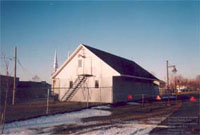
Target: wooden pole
{"points": [[47, 110], [15, 69]]}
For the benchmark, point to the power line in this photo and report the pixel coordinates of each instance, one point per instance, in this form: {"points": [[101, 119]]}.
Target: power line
{"points": [[9, 58], [25, 70]]}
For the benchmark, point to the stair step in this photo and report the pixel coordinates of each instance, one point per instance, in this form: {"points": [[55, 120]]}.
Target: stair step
{"points": [[78, 82]]}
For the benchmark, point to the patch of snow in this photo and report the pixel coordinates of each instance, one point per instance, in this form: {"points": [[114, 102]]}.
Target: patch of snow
{"points": [[28, 126], [120, 129], [47, 124], [101, 107], [126, 128], [133, 103], [166, 97], [156, 120]]}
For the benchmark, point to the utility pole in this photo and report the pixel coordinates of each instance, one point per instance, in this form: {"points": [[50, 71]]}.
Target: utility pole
{"points": [[15, 69]]}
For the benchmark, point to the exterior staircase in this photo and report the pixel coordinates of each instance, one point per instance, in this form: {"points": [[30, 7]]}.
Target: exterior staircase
{"points": [[77, 84]]}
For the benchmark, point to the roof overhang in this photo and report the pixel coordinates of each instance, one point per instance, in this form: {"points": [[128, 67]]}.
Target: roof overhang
{"points": [[138, 77]]}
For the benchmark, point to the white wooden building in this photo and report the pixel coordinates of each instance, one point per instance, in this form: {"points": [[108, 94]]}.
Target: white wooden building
{"points": [[92, 75]]}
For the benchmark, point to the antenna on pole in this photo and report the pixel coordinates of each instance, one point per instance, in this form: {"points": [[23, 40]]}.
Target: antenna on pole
{"points": [[55, 64]]}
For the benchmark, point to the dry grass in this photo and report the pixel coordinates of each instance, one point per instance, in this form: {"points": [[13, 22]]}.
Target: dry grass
{"points": [[36, 109]]}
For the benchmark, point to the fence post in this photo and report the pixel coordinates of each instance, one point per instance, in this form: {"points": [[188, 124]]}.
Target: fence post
{"points": [[47, 109], [87, 98], [142, 99]]}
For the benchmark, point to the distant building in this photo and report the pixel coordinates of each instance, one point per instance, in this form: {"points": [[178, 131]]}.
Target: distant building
{"points": [[92, 75], [25, 90], [28, 90], [6, 84], [183, 88]]}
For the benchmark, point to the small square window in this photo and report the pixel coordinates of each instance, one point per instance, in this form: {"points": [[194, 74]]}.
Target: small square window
{"points": [[96, 84], [79, 63], [71, 84]]}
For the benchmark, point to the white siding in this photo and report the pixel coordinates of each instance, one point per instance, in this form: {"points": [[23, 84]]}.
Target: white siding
{"points": [[91, 64]]}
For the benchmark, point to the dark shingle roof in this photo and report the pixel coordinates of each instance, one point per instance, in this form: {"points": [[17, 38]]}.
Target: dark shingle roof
{"points": [[122, 65]]}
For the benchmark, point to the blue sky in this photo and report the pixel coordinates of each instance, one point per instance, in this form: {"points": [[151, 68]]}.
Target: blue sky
{"points": [[147, 32]]}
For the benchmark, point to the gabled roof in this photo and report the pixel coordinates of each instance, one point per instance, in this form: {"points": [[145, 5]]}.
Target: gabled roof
{"points": [[122, 65]]}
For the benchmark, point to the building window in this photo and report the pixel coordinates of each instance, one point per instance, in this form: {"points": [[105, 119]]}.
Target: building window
{"points": [[79, 63], [71, 84], [96, 84]]}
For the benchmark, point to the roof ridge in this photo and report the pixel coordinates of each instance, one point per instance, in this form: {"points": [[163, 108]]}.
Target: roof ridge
{"points": [[121, 64], [108, 53]]}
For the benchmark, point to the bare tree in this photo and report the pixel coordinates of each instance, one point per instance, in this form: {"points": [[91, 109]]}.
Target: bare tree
{"points": [[3, 118], [36, 78], [190, 83]]}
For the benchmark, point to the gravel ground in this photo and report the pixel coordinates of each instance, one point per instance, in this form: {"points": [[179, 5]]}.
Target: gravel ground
{"points": [[184, 121]]}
